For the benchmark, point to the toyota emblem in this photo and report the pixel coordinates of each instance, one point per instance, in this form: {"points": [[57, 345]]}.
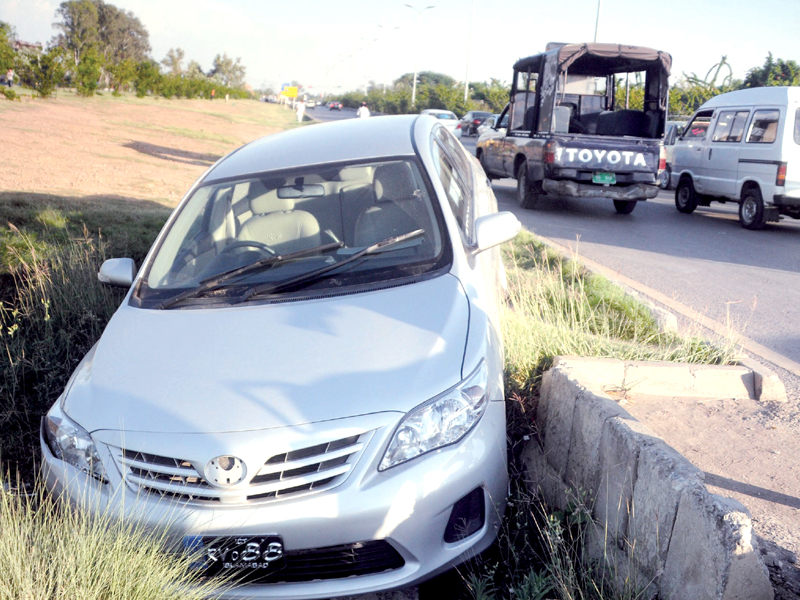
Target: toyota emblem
{"points": [[225, 471]]}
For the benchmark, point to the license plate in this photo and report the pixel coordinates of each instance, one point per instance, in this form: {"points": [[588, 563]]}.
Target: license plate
{"points": [[604, 178], [257, 554]]}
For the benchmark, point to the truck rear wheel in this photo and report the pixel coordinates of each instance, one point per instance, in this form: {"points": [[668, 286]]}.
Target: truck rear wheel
{"points": [[624, 207], [528, 193], [685, 196], [751, 210]]}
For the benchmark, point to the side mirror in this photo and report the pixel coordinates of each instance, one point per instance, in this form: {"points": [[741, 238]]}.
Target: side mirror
{"points": [[118, 271], [492, 230]]}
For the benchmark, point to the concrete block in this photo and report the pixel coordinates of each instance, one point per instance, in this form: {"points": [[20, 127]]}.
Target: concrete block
{"points": [[556, 405], [543, 480], [620, 444], [662, 476], [591, 412], [768, 386], [701, 381], [712, 552], [411, 593]]}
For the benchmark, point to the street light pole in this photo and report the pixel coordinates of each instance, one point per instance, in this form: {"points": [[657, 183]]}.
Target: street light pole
{"points": [[419, 11], [469, 48], [597, 21]]}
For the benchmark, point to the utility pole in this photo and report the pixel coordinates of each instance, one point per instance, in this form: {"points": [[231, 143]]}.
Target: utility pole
{"points": [[419, 11], [469, 48], [597, 21]]}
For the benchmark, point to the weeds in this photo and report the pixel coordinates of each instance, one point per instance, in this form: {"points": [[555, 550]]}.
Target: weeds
{"points": [[48, 550]]}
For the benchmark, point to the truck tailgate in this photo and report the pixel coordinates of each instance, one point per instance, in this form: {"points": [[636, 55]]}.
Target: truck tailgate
{"points": [[603, 153]]}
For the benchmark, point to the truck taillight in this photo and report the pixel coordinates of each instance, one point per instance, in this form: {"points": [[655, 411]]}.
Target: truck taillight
{"points": [[662, 159], [550, 152], [781, 178]]}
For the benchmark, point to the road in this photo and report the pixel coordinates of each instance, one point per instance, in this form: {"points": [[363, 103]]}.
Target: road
{"points": [[706, 260]]}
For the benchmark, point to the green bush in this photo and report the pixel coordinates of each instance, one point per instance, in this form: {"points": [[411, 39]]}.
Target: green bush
{"points": [[43, 72], [88, 72], [9, 93]]}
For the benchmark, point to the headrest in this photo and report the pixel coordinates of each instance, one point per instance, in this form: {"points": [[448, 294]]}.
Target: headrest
{"points": [[394, 181], [269, 202], [355, 174]]}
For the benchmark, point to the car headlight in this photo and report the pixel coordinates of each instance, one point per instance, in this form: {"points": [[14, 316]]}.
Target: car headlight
{"points": [[441, 421], [72, 443]]}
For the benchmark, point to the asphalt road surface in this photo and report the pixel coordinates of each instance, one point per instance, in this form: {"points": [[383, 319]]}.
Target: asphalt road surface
{"points": [[706, 260]]}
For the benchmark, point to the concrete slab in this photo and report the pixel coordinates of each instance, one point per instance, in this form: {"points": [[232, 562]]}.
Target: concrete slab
{"points": [[542, 479], [712, 553]]}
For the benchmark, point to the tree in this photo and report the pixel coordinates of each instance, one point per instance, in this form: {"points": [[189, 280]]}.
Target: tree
{"points": [[194, 70], [148, 78], [172, 61], [425, 78], [122, 74], [88, 72], [43, 71], [79, 27], [773, 73], [227, 71], [122, 35], [494, 93], [7, 55]]}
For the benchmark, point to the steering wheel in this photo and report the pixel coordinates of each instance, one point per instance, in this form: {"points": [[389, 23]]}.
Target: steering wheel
{"points": [[248, 244]]}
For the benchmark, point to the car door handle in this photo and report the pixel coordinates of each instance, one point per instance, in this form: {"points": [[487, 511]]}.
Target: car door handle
{"points": [[710, 150]]}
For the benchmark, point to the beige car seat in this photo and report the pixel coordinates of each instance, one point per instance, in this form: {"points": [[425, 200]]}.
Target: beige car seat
{"points": [[276, 224], [393, 186]]}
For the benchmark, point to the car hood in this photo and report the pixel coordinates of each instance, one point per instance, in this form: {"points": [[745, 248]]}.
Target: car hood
{"points": [[272, 365]]}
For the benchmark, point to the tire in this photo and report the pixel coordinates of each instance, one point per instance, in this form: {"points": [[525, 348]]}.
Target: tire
{"points": [[685, 196], [625, 207], [527, 193], [664, 178], [751, 210]]}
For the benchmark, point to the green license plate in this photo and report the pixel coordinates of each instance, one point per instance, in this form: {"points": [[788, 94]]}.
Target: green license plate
{"points": [[604, 178]]}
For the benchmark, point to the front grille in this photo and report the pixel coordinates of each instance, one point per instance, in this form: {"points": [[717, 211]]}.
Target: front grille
{"points": [[289, 473], [333, 562]]}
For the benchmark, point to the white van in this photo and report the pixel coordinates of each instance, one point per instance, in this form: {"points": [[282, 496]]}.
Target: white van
{"points": [[738, 147]]}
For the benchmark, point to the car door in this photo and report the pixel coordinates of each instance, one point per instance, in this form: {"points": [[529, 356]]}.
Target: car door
{"points": [[721, 154], [690, 146]]}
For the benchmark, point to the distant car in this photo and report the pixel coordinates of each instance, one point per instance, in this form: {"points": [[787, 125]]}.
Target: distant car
{"points": [[673, 130], [488, 123], [471, 121], [447, 117], [303, 387], [335, 105], [310, 104]]}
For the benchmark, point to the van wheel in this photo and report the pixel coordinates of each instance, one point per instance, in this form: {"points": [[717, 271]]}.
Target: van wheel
{"points": [[685, 196], [664, 177], [751, 210], [527, 193], [624, 207]]}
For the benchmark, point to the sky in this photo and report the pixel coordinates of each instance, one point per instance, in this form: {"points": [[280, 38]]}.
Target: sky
{"points": [[333, 47]]}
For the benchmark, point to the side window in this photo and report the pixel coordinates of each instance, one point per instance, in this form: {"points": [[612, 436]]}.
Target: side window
{"points": [[454, 188], [764, 127], [698, 126], [730, 126], [797, 127], [524, 100]]}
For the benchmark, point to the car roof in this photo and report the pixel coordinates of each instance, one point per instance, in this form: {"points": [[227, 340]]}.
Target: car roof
{"points": [[762, 95], [345, 140]]}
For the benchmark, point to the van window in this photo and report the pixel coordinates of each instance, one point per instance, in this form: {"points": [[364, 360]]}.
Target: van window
{"points": [[764, 128], [730, 126], [698, 126], [797, 127]]}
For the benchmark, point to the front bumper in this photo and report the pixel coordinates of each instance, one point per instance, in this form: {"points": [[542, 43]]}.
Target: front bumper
{"points": [[408, 506], [573, 189]]}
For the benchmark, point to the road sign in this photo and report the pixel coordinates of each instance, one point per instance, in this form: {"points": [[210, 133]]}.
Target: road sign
{"points": [[289, 91]]}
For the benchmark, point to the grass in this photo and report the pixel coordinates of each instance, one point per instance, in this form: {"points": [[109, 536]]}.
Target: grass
{"points": [[49, 551]]}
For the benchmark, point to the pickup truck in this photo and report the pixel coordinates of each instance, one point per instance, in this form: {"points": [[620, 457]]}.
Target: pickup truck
{"points": [[567, 136]]}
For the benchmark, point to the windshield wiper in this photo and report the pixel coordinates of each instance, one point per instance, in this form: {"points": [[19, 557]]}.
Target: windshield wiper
{"points": [[211, 282], [269, 288]]}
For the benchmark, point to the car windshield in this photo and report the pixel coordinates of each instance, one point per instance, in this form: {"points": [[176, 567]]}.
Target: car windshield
{"points": [[265, 230], [450, 116]]}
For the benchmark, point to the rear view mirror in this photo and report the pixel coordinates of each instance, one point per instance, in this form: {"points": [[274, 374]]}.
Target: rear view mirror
{"points": [[492, 230], [117, 271], [307, 190]]}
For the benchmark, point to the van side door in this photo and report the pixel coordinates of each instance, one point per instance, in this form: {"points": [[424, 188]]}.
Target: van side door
{"points": [[689, 148], [721, 155]]}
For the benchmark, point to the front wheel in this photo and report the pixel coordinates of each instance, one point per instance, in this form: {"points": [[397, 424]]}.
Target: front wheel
{"points": [[527, 192], [624, 207], [685, 197], [751, 210]]}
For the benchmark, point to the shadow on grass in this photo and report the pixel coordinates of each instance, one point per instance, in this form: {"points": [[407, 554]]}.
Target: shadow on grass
{"points": [[174, 154], [127, 226]]}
